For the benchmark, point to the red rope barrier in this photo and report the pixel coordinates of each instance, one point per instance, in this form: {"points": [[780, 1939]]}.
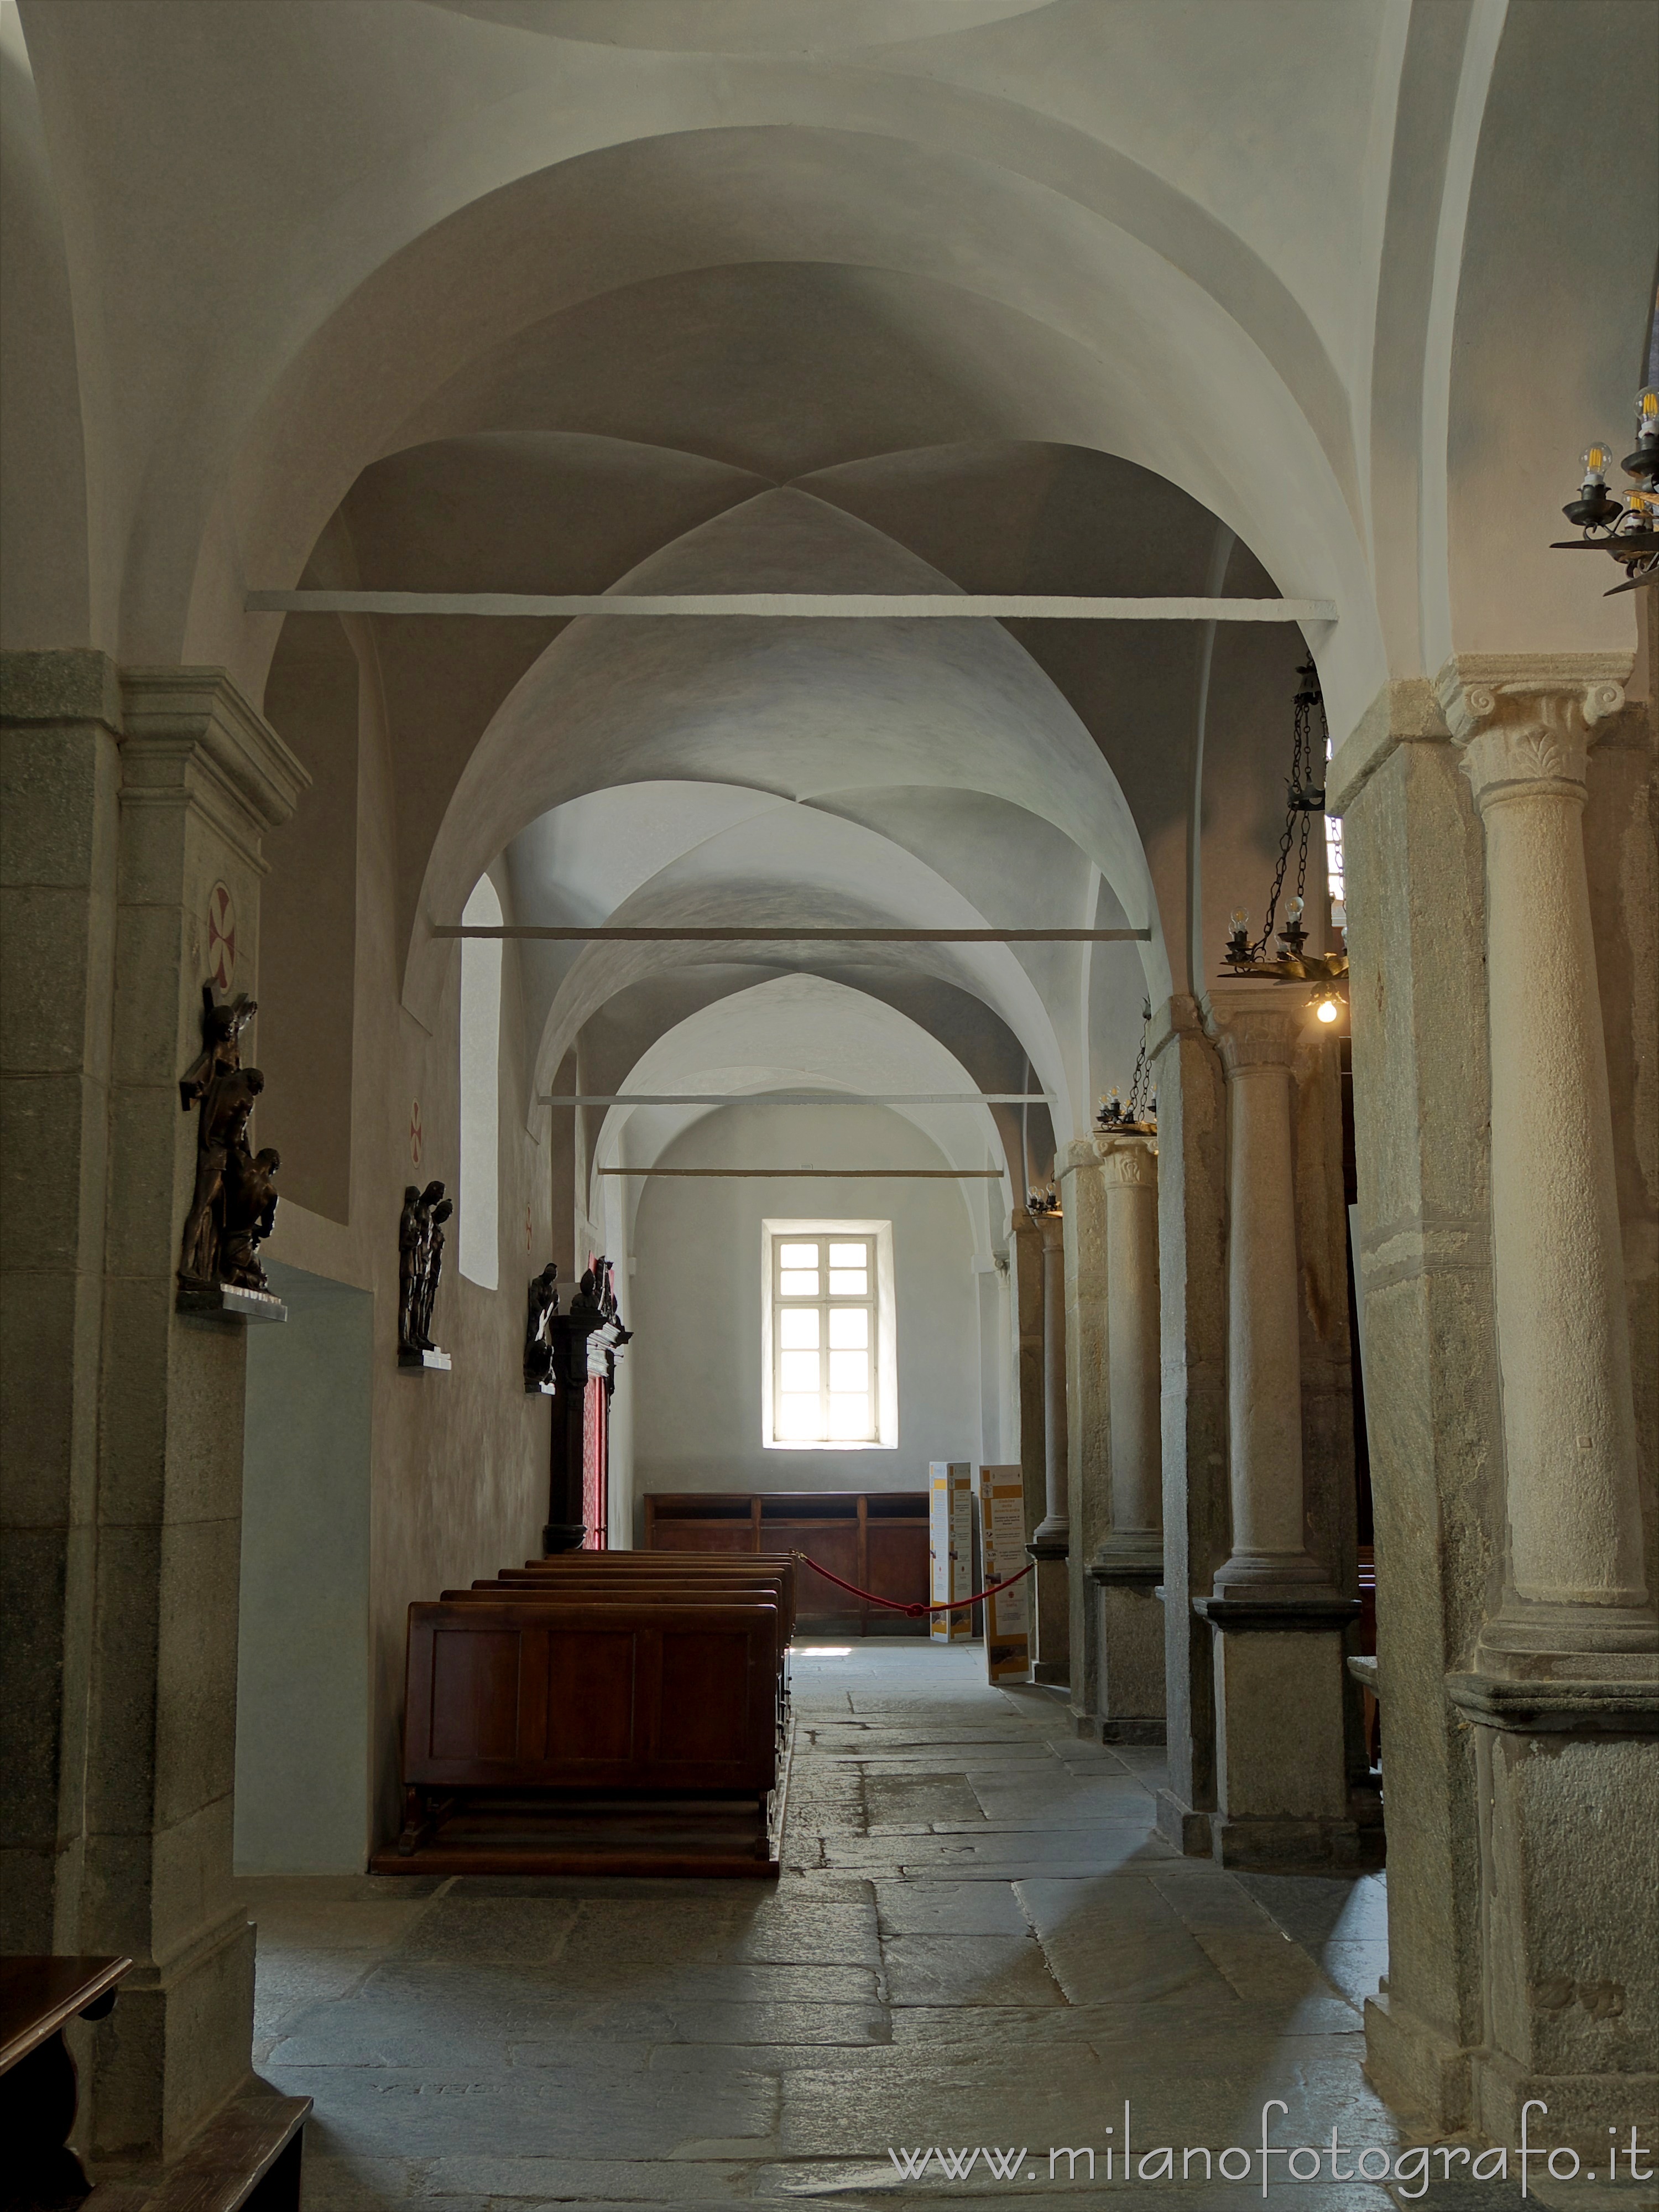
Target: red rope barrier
{"points": [[897, 1605]]}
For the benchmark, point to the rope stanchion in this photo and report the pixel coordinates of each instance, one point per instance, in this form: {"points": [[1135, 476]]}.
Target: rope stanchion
{"points": [[913, 1612]]}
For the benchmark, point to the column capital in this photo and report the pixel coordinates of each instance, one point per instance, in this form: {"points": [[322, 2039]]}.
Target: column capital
{"points": [[189, 734], [1052, 1228], [1525, 720], [1081, 1152], [1258, 1037], [1130, 1162]]}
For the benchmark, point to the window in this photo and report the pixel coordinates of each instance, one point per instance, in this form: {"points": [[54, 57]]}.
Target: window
{"points": [[829, 1351], [481, 1045]]}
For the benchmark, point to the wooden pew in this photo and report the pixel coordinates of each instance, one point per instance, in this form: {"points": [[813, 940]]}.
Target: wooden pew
{"points": [[571, 1734], [766, 1581], [518, 1583], [690, 1563]]}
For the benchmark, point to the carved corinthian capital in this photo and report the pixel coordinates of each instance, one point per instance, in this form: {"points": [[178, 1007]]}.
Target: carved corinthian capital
{"points": [[1130, 1161], [1526, 721]]}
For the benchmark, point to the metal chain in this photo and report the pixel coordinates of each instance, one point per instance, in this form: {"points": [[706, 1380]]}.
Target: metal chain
{"points": [[1302, 799]]}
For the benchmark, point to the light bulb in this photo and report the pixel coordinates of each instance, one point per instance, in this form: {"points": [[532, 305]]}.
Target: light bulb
{"points": [[1647, 412], [1241, 919], [1597, 459], [1293, 911], [1328, 1010]]}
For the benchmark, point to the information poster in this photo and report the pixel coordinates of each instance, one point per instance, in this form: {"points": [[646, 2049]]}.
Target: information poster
{"points": [[951, 1547], [1002, 1540]]}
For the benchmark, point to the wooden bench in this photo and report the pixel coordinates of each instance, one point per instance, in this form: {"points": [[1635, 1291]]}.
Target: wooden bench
{"points": [[620, 1565], [766, 1582], [246, 2157], [39, 2092], [570, 1734], [517, 1584]]}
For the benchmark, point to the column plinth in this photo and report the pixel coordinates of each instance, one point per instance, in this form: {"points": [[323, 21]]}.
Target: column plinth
{"points": [[1575, 1599]]}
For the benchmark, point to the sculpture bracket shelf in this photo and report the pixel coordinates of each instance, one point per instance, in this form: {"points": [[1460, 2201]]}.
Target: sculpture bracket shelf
{"points": [[429, 1360], [230, 1302]]}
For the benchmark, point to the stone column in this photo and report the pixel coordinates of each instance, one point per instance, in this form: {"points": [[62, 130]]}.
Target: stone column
{"points": [[1128, 1565], [1563, 1696], [1050, 1543], [1081, 1181], [1281, 1795], [1575, 1584], [1192, 1122]]}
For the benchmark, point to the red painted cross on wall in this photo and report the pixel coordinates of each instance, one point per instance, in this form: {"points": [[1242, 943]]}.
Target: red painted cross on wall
{"points": [[221, 936]]}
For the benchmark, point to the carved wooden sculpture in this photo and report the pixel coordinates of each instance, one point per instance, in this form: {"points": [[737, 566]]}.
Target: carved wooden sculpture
{"points": [[233, 1207], [420, 1264], [543, 1305]]}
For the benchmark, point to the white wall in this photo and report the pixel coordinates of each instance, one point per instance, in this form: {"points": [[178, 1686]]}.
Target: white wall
{"points": [[303, 1771], [695, 1366]]}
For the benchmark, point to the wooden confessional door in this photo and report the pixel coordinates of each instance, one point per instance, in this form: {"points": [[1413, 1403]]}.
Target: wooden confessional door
{"points": [[596, 1465]]}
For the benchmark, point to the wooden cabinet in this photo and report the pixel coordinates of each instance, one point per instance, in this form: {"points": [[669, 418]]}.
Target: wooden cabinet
{"points": [[877, 1539]]}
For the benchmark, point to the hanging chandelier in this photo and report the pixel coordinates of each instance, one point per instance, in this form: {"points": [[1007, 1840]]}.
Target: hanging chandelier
{"points": [[1248, 958], [1137, 1116], [1629, 530]]}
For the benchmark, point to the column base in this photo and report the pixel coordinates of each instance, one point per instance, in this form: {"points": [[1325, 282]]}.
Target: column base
{"points": [[1566, 1876], [1052, 1618], [1579, 2110], [1179, 1824], [1129, 1555], [1269, 1843], [1132, 1688], [1155, 1733], [178, 2043], [1415, 2068], [1281, 1760], [1533, 1638]]}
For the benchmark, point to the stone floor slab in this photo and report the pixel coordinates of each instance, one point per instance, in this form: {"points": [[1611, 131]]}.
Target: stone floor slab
{"points": [[978, 1937]]}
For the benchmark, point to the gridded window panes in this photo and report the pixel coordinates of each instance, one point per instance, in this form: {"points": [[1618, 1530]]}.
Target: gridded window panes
{"points": [[824, 1340]]}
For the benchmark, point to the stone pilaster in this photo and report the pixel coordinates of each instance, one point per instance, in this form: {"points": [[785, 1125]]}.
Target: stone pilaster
{"points": [[1050, 1543], [202, 777], [1411, 842], [1192, 1124], [1127, 1564], [1080, 1178], [60, 722]]}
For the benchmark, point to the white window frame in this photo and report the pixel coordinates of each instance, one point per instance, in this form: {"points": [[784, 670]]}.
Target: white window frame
{"points": [[480, 1035], [885, 1334]]}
